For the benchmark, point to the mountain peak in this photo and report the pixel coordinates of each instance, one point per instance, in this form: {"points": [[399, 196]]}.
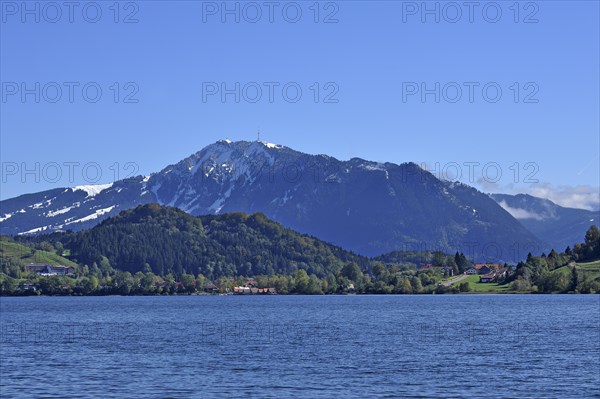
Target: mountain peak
{"points": [[369, 207]]}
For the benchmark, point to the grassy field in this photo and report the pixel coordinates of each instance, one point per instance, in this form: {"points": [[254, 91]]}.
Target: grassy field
{"points": [[476, 286], [29, 255], [591, 270]]}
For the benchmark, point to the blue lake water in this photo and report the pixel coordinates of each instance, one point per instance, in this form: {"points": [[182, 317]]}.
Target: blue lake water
{"points": [[439, 346]]}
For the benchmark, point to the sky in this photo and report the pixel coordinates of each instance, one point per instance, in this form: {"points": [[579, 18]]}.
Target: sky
{"points": [[501, 97]]}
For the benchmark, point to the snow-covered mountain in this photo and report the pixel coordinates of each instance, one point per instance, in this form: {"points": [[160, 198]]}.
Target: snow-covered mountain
{"points": [[365, 206]]}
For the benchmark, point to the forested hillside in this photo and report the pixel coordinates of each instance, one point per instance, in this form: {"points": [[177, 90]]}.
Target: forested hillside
{"points": [[167, 240]]}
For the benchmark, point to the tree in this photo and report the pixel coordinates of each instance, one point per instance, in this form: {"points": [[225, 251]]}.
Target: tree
{"points": [[415, 282], [439, 259], [553, 259], [124, 283], [189, 283], [93, 283], [352, 272], [45, 246], [461, 262], [147, 268], [314, 285], [332, 286], [95, 270], [553, 282], [90, 284], [592, 236], [520, 285], [105, 266], [574, 279], [464, 287], [201, 282], [407, 287], [379, 271], [592, 243], [59, 248], [7, 285], [148, 282], [301, 280]]}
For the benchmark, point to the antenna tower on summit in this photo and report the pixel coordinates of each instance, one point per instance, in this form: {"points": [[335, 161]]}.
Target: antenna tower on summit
{"points": [[258, 135]]}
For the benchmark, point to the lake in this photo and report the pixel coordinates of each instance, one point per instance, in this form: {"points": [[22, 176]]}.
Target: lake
{"points": [[436, 346]]}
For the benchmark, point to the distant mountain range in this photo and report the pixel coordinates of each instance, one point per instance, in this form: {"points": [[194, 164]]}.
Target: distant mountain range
{"points": [[367, 207], [555, 225]]}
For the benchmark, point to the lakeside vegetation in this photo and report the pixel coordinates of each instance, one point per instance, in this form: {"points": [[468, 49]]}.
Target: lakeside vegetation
{"points": [[156, 250], [476, 287]]}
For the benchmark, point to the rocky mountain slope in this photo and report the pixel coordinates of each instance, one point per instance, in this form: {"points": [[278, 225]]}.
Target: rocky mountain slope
{"points": [[364, 206]]}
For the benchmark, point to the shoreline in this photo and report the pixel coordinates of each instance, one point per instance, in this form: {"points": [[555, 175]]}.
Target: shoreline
{"points": [[311, 295]]}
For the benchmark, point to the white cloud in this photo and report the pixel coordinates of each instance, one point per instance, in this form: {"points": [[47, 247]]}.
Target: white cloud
{"points": [[519, 213], [581, 196]]}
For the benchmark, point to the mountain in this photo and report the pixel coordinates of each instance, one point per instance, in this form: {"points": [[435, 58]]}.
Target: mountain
{"points": [[367, 207], [555, 225], [169, 240]]}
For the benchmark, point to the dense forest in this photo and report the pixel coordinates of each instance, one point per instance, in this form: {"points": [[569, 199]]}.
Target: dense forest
{"points": [[154, 249], [167, 240]]}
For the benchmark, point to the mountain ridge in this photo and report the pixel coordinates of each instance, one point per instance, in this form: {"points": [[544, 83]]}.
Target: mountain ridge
{"points": [[365, 206], [557, 225]]}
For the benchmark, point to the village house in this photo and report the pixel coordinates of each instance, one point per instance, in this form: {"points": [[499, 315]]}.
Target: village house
{"points": [[44, 269], [250, 288], [487, 278], [471, 271], [493, 275], [253, 291], [349, 288], [212, 288], [486, 268], [27, 287], [242, 290]]}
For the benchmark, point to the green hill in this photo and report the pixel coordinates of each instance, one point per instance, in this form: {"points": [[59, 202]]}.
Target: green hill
{"points": [[168, 240], [17, 253]]}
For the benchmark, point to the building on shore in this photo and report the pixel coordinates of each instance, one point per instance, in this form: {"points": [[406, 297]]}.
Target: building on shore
{"points": [[44, 269]]}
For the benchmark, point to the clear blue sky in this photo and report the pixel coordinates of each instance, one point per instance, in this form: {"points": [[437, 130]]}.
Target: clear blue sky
{"points": [[373, 48]]}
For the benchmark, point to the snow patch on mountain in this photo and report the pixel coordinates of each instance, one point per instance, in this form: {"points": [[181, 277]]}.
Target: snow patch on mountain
{"points": [[218, 204], [61, 211], [94, 189], [214, 155], [36, 230], [93, 216], [271, 145], [37, 205], [373, 167], [258, 148], [6, 217]]}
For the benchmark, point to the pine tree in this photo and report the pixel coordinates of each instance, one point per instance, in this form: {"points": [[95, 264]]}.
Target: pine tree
{"points": [[574, 278]]}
